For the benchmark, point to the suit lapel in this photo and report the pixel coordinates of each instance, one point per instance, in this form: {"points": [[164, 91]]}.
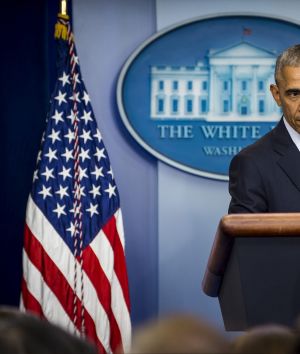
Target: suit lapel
{"points": [[288, 153]]}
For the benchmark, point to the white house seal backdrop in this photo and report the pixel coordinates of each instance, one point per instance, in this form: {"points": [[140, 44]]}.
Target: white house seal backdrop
{"points": [[195, 94]]}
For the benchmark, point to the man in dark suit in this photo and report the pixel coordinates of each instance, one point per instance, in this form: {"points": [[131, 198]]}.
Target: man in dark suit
{"points": [[265, 176]]}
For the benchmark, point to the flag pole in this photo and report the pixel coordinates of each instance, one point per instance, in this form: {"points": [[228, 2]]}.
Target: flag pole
{"points": [[63, 31], [63, 8]]}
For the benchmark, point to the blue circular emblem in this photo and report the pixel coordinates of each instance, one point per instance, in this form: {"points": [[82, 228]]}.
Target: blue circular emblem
{"points": [[195, 94]]}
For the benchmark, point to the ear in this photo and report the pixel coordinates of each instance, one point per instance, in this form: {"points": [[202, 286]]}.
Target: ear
{"points": [[276, 94]]}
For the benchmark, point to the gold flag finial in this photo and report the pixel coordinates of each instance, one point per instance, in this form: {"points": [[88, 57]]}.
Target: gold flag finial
{"points": [[61, 29], [63, 7], [63, 10]]}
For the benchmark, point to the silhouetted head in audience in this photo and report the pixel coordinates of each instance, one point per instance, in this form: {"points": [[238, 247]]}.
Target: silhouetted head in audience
{"points": [[267, 339], [22, 333], [178, 334]]}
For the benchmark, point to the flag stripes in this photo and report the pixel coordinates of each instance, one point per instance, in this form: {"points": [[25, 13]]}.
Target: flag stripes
{"points": [[101, 282], [102, 287], [32, 304], [55, 311]]}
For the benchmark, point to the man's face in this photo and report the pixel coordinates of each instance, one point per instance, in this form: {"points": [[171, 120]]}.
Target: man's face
{"points": [[287, 95]]}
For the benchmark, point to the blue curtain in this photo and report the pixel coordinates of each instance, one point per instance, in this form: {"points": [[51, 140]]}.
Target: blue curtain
{"points": [[27, 67]]}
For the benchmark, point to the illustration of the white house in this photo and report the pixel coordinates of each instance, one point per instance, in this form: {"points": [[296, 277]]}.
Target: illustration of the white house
{"points": [[231, 85]]}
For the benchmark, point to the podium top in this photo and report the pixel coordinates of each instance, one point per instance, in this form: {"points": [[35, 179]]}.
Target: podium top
{"points": [[244, 225]]}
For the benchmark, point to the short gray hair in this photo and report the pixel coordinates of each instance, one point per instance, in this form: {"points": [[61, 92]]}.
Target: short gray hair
{"points": [[289, 57]]}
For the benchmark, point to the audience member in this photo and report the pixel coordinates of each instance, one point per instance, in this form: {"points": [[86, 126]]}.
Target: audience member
{"points": [[267, 339], [22, 333], [178, 334]]}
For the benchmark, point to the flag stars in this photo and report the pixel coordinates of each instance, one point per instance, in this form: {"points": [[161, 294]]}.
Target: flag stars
{"points": [[75, 97], [59, 210], [72, 169], [57, 117], [62, 191], [70, 135], [68, 154], [35, 175], [64, 79], [76, 211], [73, 117], [54, 136], [95, 191], [39, 156], [86, 116], [111, 190], [86, 98], [82, 173], [84, 154], [51, 154], [48, 173], [98, 135], [110, 172], [79, 192], [45, 192], [98, 172], [86, 135], [65, 172], [60, 97], [75, 59], [99, 154], [72, 229], [76, 78], [92, 209]]}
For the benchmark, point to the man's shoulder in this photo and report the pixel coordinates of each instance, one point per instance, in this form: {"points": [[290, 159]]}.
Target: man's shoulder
{"points": [[260, 147], [261, 151]]}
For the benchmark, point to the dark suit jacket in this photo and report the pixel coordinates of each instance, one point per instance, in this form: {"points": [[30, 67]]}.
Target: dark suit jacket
{"points": [[265, 176]]}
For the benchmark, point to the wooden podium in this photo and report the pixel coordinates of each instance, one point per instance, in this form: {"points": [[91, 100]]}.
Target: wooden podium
{"points": [[254, 269]]}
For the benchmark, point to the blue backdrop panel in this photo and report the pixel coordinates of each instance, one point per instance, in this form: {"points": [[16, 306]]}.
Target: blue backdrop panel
{"points": [[106, 33]]}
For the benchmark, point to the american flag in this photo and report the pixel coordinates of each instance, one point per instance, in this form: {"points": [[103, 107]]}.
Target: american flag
{"points": [[74, 269]]}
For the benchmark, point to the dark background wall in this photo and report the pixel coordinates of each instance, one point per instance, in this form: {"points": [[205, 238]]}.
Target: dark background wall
{"points": [[27, 66]]}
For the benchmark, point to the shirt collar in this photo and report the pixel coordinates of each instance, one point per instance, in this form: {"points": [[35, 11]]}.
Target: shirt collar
{"points": [[293, 134]]}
